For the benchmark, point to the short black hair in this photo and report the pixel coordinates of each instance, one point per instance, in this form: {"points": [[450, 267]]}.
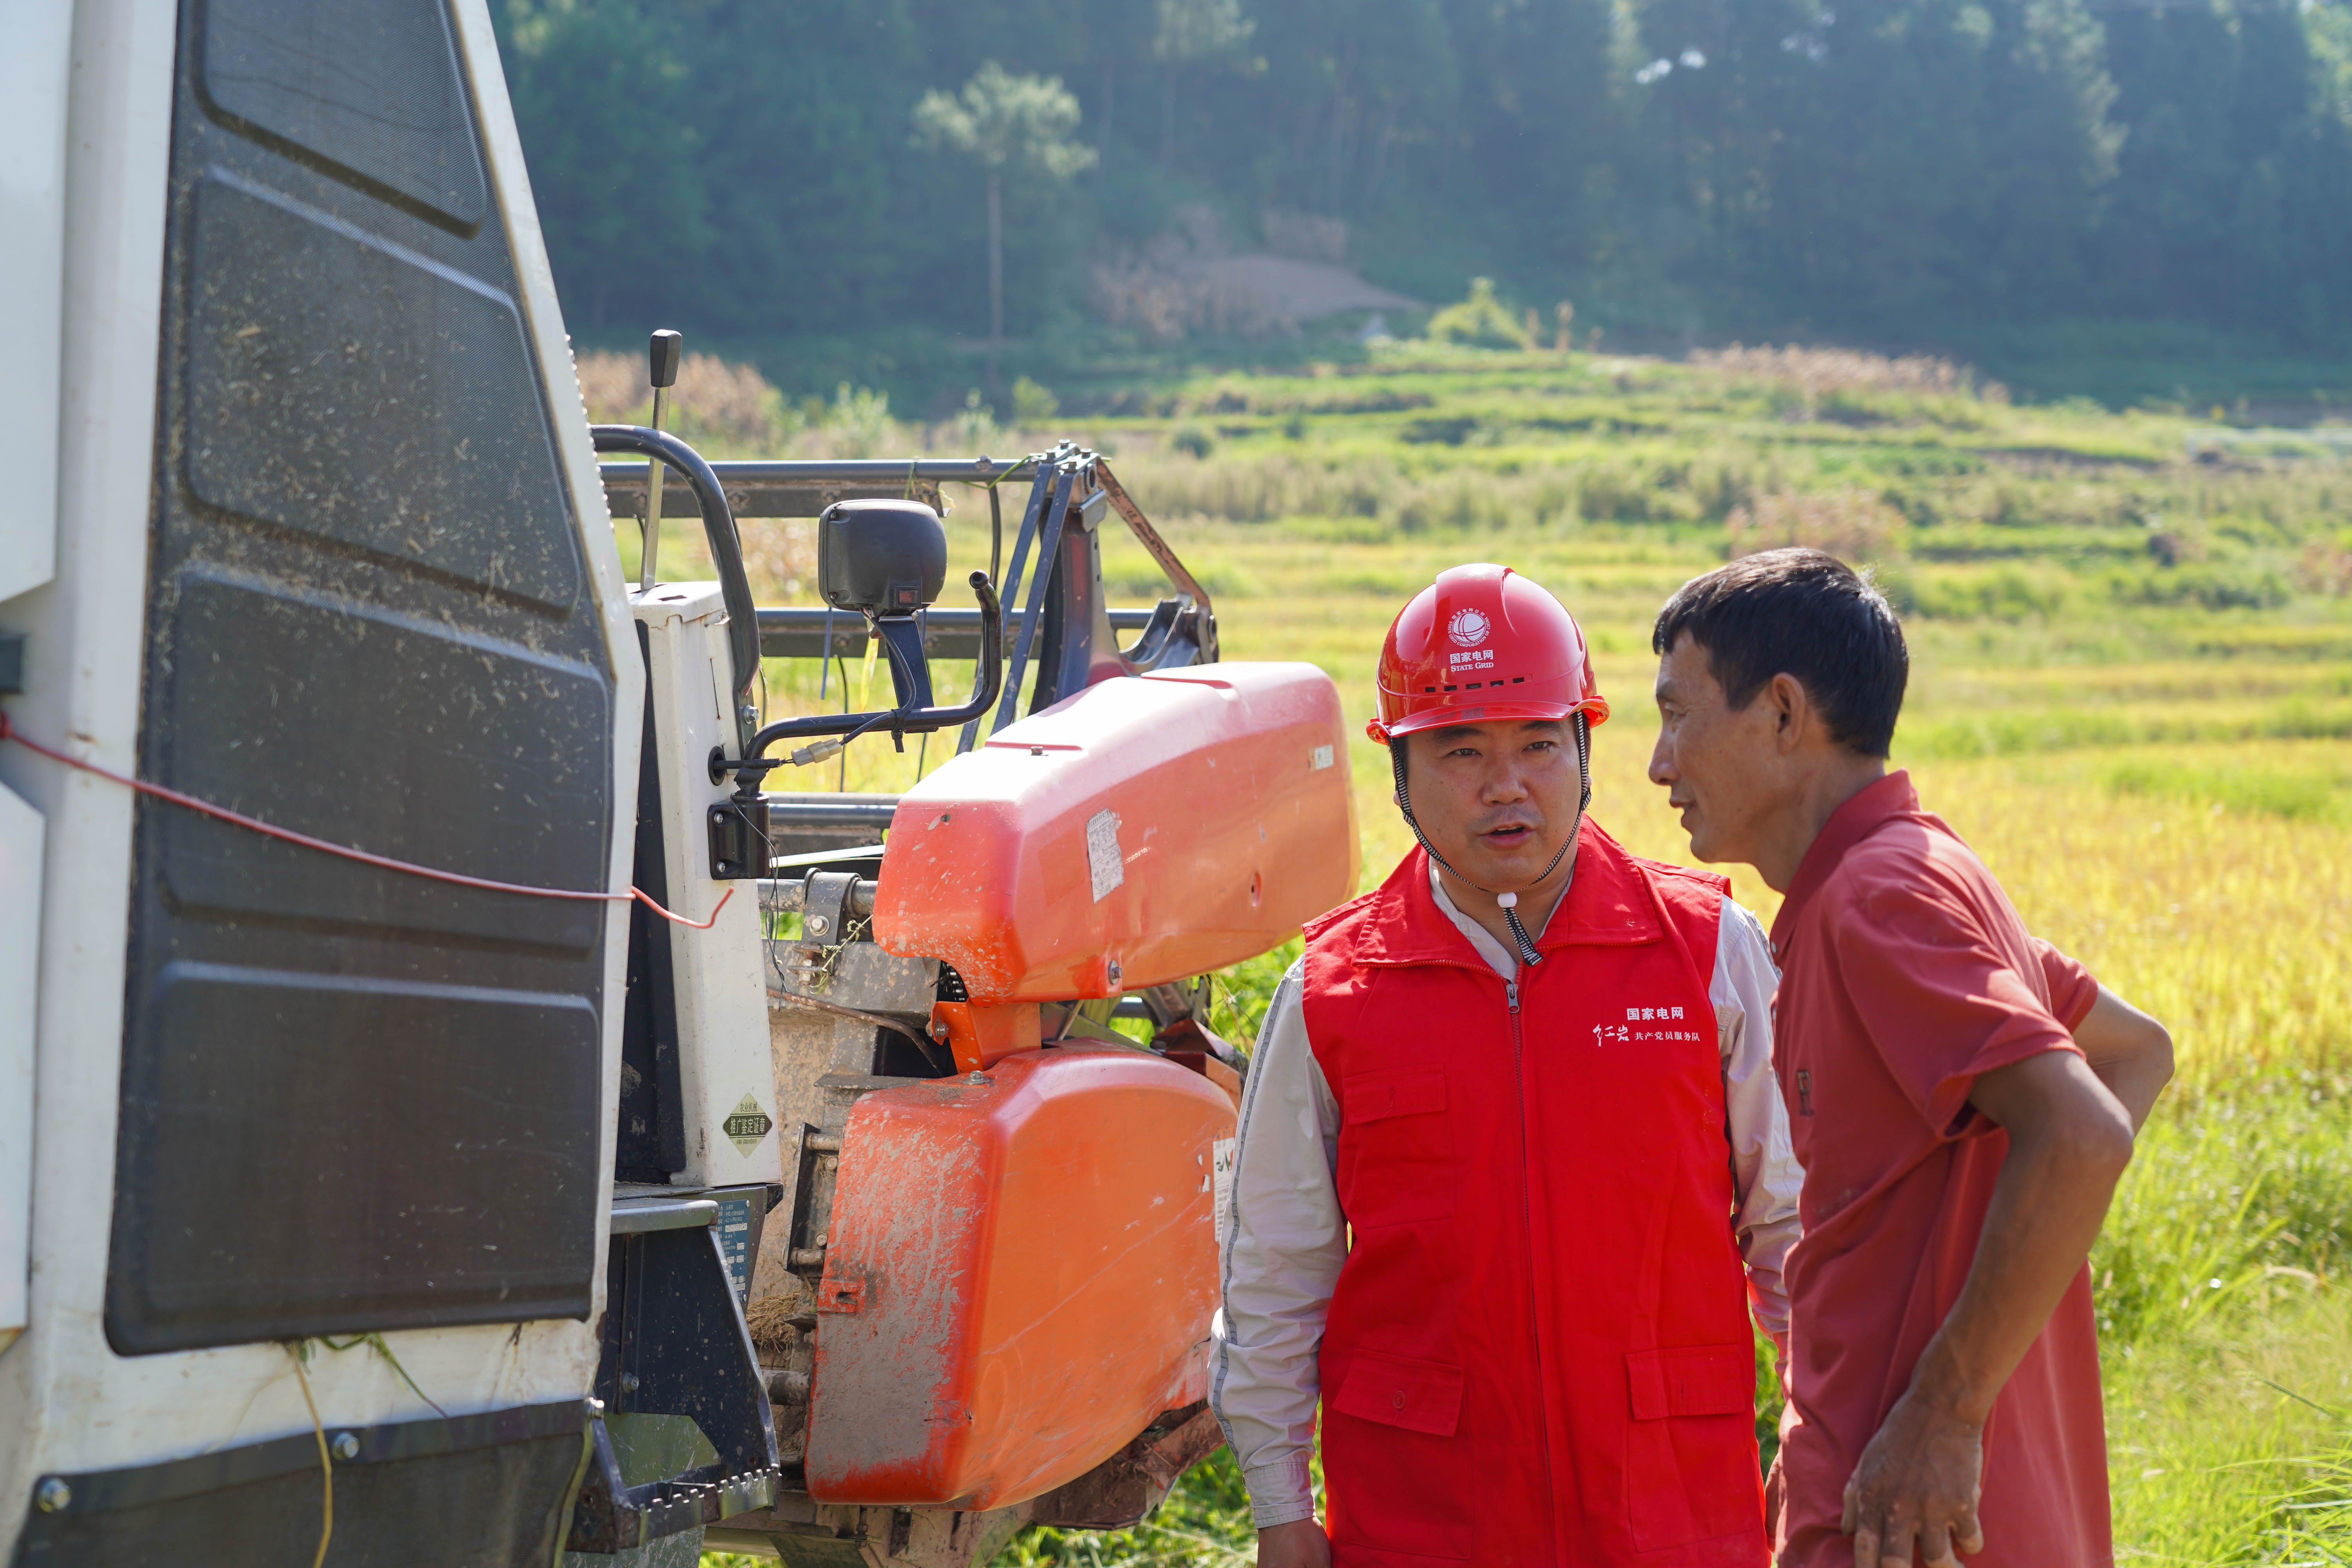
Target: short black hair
{"points": [[1805, 613]]}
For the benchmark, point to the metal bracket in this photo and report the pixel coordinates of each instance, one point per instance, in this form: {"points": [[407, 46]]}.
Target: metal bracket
{"points": [[740, 838], [824, 907]]}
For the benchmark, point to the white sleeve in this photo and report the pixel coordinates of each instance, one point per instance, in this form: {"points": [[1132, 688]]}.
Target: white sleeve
{"points": [[1765, 1171], [1282, 1241]]}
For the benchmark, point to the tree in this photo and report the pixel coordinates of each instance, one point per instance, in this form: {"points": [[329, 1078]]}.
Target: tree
{"points": [[1192, 32], [1005, 121], [616, 156]]}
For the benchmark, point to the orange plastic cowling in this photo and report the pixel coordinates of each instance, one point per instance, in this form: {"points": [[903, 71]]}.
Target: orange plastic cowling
{"points": [[1020, 1272], [1146, 828]]}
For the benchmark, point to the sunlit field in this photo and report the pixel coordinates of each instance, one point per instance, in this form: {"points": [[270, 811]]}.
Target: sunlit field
{"points": [[2132, 693]]}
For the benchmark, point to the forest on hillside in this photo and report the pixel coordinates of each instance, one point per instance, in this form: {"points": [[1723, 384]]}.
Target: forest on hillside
{"points": [[1881, 170]]}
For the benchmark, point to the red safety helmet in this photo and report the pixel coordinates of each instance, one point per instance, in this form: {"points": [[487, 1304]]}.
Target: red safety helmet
{"points": [[1483, 643]]}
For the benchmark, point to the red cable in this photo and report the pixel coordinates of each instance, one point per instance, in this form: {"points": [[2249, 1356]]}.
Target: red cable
{"points": [[9, 732]]}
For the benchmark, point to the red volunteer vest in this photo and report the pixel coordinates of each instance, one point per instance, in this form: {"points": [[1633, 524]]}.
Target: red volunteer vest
{"points": [[1539, 1349]]}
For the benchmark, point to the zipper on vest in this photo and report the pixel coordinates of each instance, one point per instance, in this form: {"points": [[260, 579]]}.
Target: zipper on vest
{"points": [[1527, 1220]]}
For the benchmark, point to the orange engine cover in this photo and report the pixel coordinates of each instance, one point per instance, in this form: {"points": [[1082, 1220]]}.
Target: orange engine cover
{"points": [[1020, 1273], [1145, 829]]}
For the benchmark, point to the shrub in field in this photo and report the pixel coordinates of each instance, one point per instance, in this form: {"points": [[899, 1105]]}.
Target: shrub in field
{"points": [[1479, 322], [1033, 405], [2009, 594], [856, 424], [974, 426], [2237, 586], [1852, 525], [2326, 568], [780, 558], [713, 401], [1817, 373], [1194, 440]]}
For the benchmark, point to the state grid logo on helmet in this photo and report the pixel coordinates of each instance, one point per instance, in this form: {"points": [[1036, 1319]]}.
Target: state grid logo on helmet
{"points": [[1468, 628]]}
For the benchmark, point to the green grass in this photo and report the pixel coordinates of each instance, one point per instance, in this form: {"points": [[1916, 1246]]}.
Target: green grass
{"points": [[2132, 691]]}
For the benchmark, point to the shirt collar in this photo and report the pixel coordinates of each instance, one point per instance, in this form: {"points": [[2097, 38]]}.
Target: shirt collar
{"points": [[1606, 905], [1864, 813], [1503, 962]]}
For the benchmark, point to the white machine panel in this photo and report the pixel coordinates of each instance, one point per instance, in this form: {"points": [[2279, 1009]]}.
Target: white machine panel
{"points": [[20, 948], [32, 279], [725, 1077]]}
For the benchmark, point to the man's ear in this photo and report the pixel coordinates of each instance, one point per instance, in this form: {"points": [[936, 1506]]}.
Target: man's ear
{"points": [[1793, 711]]}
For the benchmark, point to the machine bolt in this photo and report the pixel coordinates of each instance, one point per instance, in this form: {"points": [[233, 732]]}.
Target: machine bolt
{"points": [[53, 1496], [628, 1382], [817, 924], [807, 1257], [345, 1447], [1116, 974]]}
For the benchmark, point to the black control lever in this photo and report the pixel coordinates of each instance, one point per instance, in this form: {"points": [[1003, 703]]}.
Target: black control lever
{"points": [[661, 367]]}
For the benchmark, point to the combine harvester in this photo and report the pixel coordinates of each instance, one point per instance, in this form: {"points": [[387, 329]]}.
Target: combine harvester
{"points": [[411, 1154]]}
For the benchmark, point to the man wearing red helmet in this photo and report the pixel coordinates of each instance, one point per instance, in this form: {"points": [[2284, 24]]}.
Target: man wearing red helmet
{"points": [[1512, 1169]]}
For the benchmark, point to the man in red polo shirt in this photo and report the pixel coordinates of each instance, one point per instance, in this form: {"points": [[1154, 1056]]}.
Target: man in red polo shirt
{"points": [[1962, 1096]]}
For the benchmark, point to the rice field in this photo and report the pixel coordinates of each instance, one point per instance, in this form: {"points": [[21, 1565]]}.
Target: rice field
{"points": [[2132, 693]]}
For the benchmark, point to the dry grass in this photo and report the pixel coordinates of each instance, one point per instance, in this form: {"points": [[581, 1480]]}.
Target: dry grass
{"points": [[713, 399], [1850, 524], [780, 558], [1819, 372]]}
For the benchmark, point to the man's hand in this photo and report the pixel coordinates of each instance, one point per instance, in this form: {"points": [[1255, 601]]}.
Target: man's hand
{"points": [[1918, 1484], [1301, 1543], [2069, 1141]]}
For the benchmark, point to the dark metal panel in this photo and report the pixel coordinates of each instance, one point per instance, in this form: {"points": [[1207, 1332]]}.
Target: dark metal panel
{"points": [[392, 118], [675, 1344], [504, 1472], [421, 1112], [254, 667], [650, 1144], [346, 386], [352, 1099]]}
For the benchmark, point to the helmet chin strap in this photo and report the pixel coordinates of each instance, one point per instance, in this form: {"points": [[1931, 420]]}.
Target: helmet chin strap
{"points": [[1510, 902]]}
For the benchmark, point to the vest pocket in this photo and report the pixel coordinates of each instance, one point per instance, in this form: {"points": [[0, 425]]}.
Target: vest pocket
{"points": [[1391, 1462], [1400, 1391], [1396, 1148], [1691, 1471]]}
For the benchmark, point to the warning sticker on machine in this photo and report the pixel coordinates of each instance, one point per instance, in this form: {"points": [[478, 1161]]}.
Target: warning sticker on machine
{"points": [[1104, 863], [746, 1125], [735, 1239], [1221, 1179]]}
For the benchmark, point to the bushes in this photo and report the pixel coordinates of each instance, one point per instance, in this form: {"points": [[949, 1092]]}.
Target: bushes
{"points": [[1852, 525], [714, 401], [2009, 594], [1479, 322], [1267, 486]]}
